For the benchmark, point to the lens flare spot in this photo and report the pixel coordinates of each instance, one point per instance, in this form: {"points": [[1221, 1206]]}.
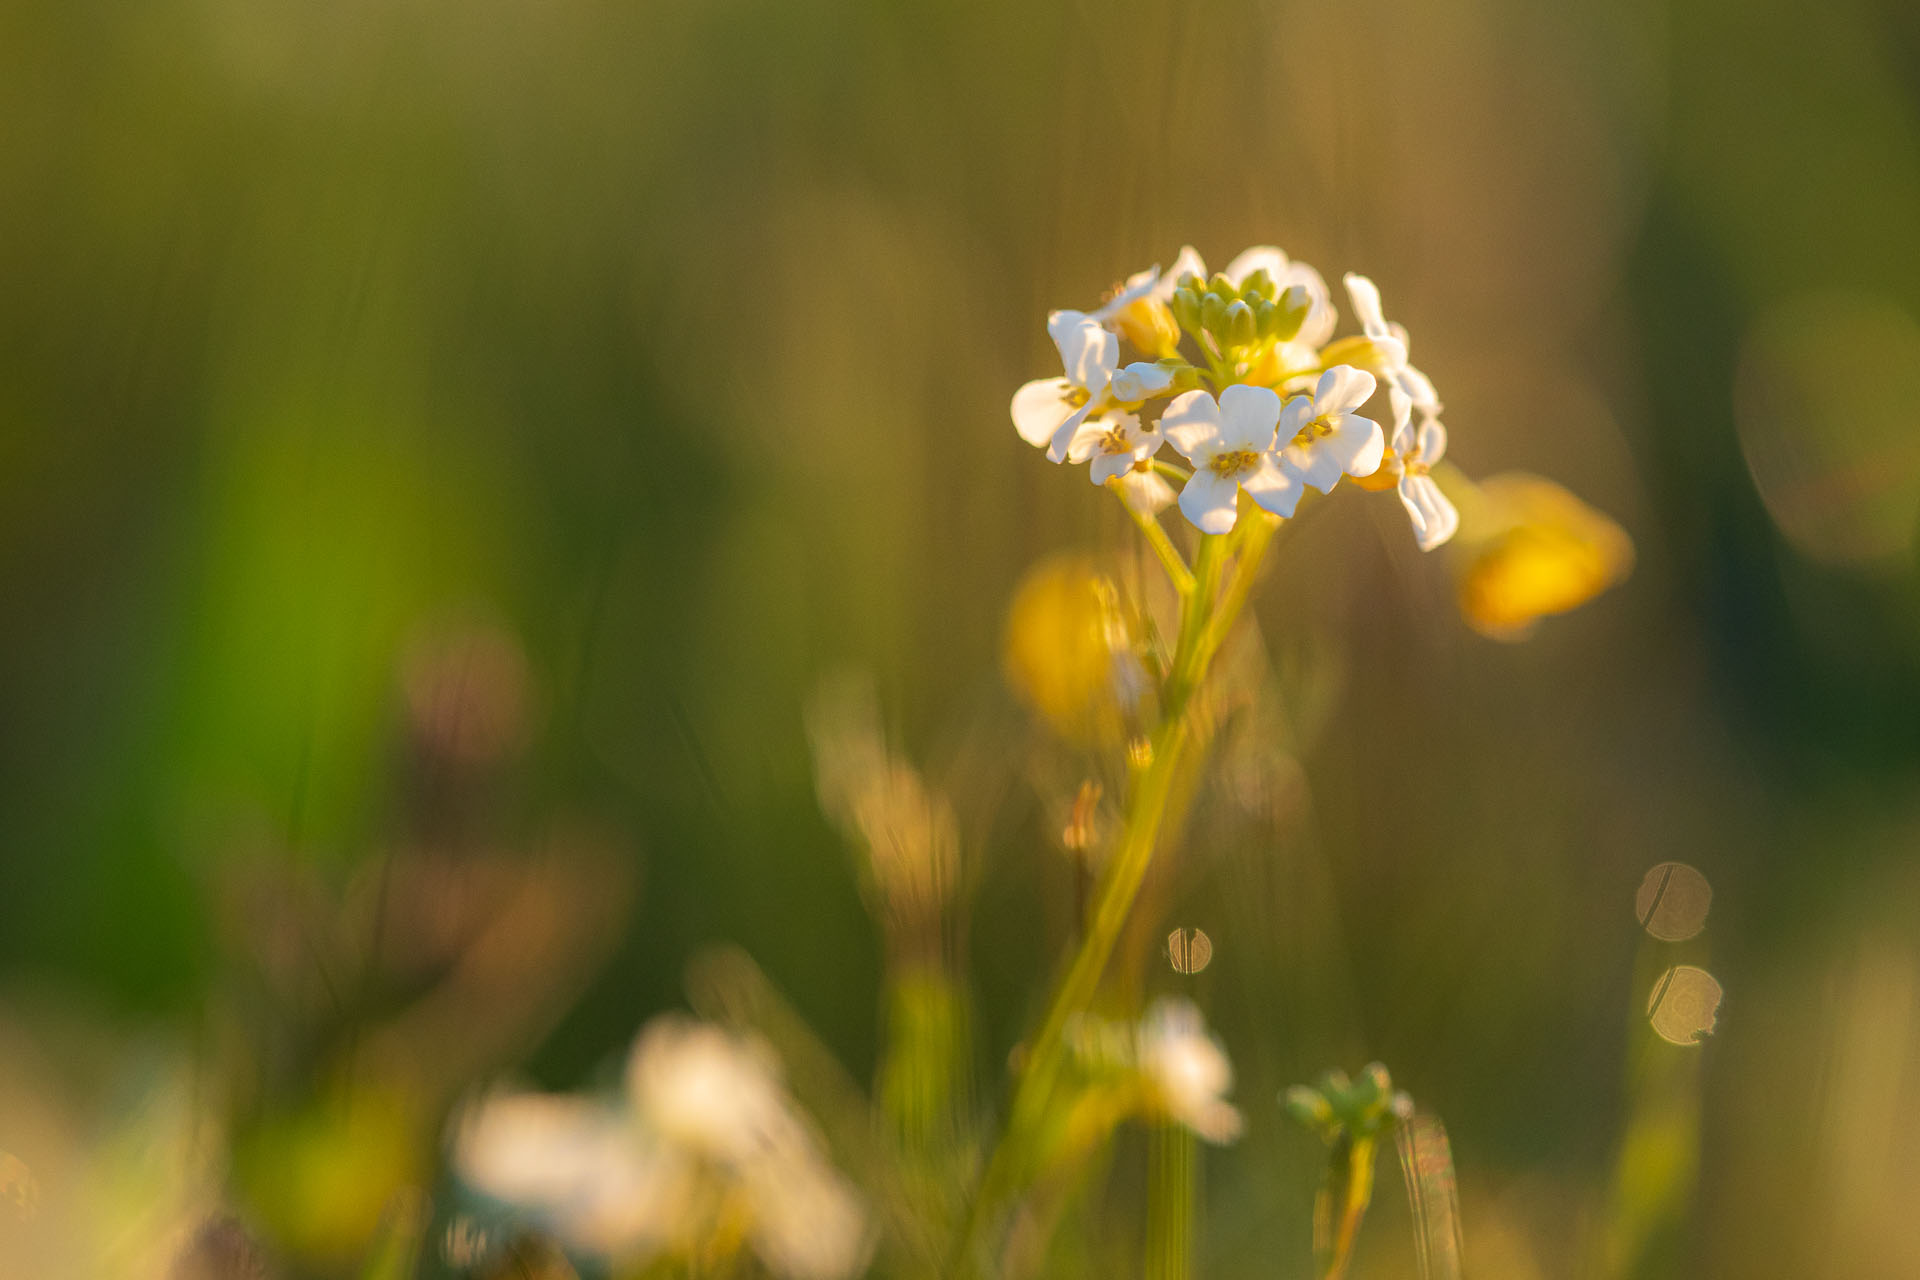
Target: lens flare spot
{"points": [[1685, 1005], [1672, 902]]}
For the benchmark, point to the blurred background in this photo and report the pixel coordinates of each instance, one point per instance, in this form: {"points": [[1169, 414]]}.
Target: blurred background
{"points": [[444, 447]]}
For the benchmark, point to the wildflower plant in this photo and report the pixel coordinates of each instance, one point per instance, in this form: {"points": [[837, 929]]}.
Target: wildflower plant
{"points": [[1232, 397]]}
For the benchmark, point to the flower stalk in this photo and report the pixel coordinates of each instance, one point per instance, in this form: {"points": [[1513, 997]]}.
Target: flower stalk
{"points": [[1207, 613]]}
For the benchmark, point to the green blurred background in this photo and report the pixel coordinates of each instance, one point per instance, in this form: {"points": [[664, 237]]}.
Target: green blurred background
{"points": [[658, 353]]}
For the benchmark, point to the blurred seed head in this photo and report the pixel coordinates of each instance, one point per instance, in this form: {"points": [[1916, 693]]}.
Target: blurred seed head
{"points": [[467, 693], [1672, 902], [1684, 1005], [19, 1192], [1529, 549], [905, 830], [222, 1249]]}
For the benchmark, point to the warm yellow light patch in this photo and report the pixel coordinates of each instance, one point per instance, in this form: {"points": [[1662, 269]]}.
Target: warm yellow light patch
{"points": [[1538, 551], [1357, 351], [1149, 325], [1062, 640]]}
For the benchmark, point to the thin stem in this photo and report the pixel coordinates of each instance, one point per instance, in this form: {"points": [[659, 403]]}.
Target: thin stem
{"points": [[1177, 571], [1170, 1197], [1125, 872], [1172, 471]]}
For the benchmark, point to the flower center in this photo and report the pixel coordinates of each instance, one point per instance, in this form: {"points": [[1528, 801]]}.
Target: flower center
{"points": [[1115, 441], [1077, 396], [1319, 429], [1232, 464]]}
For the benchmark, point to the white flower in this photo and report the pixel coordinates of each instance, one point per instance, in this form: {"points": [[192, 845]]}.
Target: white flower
{"points": [[577, 1164], [1230, 444], [1187, 1070], [1049, 410], [1324, 438], [710, 1092], [1114, 443], [1415, 453], [706, 1128], [1406, 385]]}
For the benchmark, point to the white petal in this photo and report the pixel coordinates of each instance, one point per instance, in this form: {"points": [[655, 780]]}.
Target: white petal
{"points": [[1275, 487], [1088, 351], [1067, 432], [1081, 443], [1294, 415], [1247, 417], [1105, 466], [1315, 464], [1187, 263], [1357, 444], [1040, 407], [1433, 440], [1211, 501], [1366, 306], [1405, 438], [1139, 285], [1252, 260], [1192, 423], [1416, 386], [1342, 389], [1434, 518], [1146, 491]]}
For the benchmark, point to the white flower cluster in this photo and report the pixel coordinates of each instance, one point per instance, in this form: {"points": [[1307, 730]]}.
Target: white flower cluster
{"points": [[706, 1142], [1271, 408]]}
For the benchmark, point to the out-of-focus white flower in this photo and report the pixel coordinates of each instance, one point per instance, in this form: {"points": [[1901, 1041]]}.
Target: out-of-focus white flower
{"points": [[709, 1091], [1323, 438], [1047, 411], [1144, 489], [1406, 385], [1230, 444], [807, 1223], [580, 1165], [1187, 1070], [1415, 452], [706, 1129]]}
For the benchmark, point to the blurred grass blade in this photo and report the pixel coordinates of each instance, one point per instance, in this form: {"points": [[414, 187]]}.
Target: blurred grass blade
{"points": [[1426, 1162], [395, 1254]]}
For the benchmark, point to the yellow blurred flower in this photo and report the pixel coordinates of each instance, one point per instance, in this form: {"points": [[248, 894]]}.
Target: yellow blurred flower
{"points": [[1530, 549], [1066, 650]]}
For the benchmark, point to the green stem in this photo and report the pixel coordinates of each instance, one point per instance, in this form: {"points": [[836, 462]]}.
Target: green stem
{"points": [[1203, 623], [1342, 1203], [1170, 1196], [1177, 571]]}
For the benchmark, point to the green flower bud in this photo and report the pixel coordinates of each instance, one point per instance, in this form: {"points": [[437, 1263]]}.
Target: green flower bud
{"points": [[1266, 318], [1294, 305], [1308, 1108], [1257, 285], [1186, 306], [1213, 315], [1191, 283], [1224, 287], [1241, 327]]}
